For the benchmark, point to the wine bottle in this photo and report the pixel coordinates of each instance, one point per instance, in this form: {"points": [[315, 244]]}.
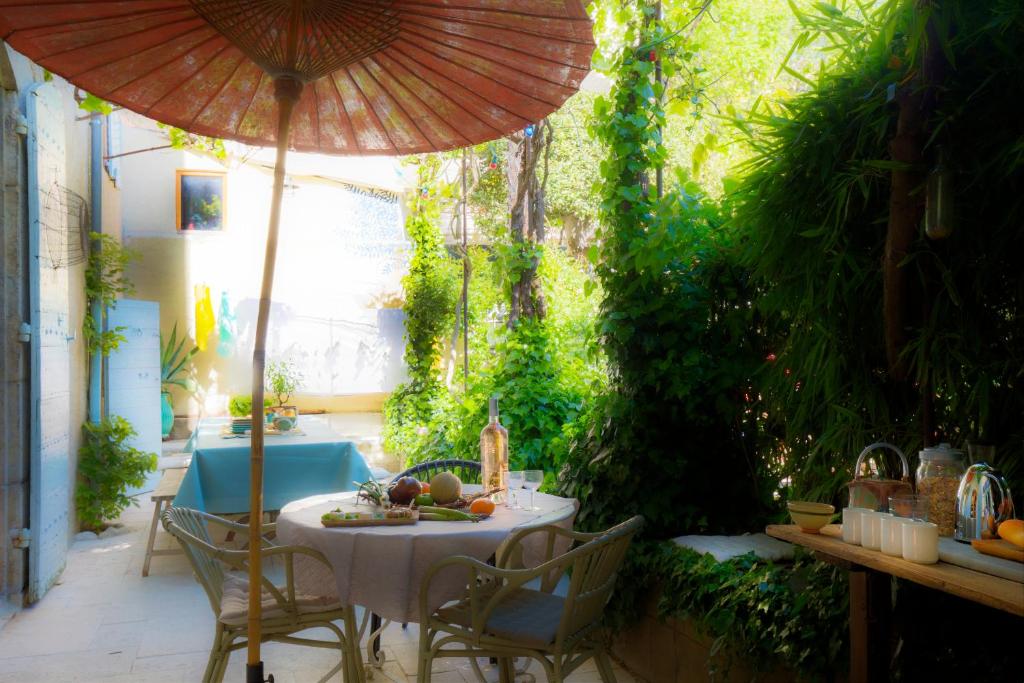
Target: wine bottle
{"points": [[494, 455]]}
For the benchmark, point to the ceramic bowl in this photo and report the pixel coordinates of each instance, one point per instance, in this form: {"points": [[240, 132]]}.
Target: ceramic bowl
{"points": [[810, 517], [284, 423]]}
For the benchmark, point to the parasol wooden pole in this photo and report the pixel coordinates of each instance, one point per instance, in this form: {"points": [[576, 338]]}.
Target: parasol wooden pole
{"points": [[286, 92]]}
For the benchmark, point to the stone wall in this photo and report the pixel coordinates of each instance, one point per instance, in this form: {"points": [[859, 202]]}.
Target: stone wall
{"points": [[673, 651]]}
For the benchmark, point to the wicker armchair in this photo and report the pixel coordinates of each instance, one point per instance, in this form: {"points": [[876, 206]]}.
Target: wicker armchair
{"points": [[468, 471], [285, 612], [508, 612]]}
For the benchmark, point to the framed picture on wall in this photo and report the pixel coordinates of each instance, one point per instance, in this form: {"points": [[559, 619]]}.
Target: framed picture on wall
{"points": [[200, 200]]}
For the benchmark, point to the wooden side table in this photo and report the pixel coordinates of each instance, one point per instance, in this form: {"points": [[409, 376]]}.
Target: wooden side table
{"points": [[870, 606], [162, 496]]}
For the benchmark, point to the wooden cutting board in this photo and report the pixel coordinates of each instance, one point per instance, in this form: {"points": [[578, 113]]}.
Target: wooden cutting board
{"points": [[997, 547], [963, 554], [368, 519], [833, 530]]}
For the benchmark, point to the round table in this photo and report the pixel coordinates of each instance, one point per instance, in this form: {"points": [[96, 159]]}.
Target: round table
{"points": [[381, 567]]}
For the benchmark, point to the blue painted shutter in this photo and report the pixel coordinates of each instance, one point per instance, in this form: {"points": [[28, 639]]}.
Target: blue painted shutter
{"points": [[50, 491], [133, 375]]}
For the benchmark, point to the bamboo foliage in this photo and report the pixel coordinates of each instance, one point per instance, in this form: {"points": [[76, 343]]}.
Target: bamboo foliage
{"points": [[815, 205]]}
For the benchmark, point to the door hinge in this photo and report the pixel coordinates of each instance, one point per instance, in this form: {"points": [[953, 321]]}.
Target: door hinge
{"points": [[25, 333], [21, 538]]}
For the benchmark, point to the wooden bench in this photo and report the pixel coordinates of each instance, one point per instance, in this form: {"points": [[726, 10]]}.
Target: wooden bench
{"points": [[162, 496]]}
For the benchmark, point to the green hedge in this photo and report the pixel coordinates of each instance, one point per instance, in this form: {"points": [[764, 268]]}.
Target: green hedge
{"points": [[772, 615]]}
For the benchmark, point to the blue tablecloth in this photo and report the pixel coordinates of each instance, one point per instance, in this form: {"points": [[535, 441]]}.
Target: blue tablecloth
{"points": [[295, 467]]}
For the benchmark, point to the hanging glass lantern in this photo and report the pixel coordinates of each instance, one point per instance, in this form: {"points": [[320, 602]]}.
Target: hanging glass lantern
{"points": [[938, 217]]}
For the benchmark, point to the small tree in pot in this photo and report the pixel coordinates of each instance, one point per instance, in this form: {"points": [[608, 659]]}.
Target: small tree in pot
{"points": [[283, 378]]}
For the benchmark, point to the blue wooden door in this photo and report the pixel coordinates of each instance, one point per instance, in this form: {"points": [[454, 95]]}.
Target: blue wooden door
{"points": [[133, 375], [50, 442]]}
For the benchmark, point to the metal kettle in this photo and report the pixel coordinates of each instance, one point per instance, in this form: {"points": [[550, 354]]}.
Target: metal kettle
{"points": [[983, 500]]}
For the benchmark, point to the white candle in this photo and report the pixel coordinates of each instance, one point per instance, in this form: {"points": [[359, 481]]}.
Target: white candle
{"points": [[851, 524], [892, 535], [920, 542], [871, 529]]}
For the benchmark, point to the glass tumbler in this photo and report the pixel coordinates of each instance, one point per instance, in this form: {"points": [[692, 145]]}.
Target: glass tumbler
{"points": [[909, 506], [515, 485]]}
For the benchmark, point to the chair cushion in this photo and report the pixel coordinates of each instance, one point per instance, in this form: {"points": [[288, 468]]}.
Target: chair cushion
{"points": [[234, 602], [529, 617]]}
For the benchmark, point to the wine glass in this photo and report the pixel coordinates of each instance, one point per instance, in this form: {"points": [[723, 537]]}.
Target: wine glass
{"points": [[533, 479], [515, 482]]}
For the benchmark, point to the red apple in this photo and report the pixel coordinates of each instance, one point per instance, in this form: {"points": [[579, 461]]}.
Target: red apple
{"points": [[403, 491]]}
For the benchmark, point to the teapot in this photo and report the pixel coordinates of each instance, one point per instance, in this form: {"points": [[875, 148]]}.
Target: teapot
{"points": [[872, 485], [982, 501]]}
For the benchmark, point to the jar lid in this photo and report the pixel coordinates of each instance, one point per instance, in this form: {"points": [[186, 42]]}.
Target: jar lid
{"points": [[942, 452]]}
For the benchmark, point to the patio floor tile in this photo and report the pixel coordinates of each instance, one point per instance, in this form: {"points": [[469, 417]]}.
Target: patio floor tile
{"points": [[65, 667], [46, 630], [189, 667]]}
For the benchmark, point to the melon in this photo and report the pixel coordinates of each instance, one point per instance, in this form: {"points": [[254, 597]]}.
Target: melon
{"points": [[445, 487]]}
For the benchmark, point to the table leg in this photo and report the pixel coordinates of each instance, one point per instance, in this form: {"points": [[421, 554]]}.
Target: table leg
{"points": [[375, 623], [506, 670], [230, 537], [870, 612], [157, 505]]}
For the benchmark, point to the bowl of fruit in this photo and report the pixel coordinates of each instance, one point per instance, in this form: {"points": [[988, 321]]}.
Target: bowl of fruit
{"points": [[440, 500]]}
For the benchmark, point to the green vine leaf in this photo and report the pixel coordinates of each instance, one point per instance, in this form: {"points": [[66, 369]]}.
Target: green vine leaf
{"points": [[105, 282], [95, 105]]}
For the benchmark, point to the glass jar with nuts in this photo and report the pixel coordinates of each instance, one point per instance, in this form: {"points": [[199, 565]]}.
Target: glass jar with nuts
{"points": [[938, 477]]}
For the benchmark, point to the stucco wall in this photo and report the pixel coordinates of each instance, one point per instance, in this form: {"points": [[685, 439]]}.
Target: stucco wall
{"points": [[332, 272]]}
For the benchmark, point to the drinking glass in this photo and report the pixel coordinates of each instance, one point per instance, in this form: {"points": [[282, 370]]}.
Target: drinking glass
{"points": [[909, 506], [533, 479], [515, 483]]}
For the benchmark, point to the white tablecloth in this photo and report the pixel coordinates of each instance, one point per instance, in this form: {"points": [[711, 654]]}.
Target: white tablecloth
{"points": [[381, 567]]}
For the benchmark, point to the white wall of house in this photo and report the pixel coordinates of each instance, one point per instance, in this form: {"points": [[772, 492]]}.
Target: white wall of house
{"points": [[341, 257]]}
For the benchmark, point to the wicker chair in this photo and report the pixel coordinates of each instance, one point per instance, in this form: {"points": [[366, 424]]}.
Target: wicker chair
{"points": [[468, 471], [508, 613], [284, 611]]}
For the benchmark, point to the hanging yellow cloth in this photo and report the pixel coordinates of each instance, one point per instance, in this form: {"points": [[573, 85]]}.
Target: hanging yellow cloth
{"points": [[204, 315]]}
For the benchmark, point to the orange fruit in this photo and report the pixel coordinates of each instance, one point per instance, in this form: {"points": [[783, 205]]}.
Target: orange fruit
{"points": [[481, 506], [424, 487]]}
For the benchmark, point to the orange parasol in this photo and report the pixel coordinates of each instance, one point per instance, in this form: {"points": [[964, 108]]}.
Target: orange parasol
{"points": [[333, 76]]}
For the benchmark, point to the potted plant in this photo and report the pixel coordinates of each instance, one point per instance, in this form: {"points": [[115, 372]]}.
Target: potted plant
{"points": [[107, 467], [173, 372], [240, 409], [240, 405], [282, 381]]}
